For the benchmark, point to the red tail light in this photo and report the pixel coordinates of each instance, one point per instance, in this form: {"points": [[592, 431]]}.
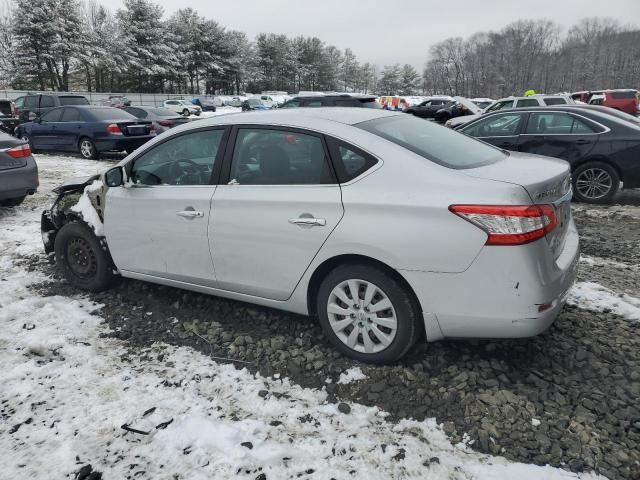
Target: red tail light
{"points": [[20, 151], [509, 225], [166, 123], [114, 129]]}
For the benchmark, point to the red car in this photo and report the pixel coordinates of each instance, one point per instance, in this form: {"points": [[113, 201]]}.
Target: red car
{"points": [[625, 100]]}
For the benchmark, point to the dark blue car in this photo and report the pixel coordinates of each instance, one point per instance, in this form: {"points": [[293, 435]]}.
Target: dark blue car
{"points": [[88, 130]]}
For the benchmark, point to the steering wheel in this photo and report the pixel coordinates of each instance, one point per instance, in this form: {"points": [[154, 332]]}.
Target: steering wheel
{"points": [[185, 168]]}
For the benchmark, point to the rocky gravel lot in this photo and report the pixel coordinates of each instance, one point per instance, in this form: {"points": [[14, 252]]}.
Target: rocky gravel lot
{"points": [[567, 398]]}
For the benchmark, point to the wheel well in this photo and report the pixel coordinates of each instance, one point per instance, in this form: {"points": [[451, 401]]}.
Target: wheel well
{"points": [[328, 265], [600, 160]]}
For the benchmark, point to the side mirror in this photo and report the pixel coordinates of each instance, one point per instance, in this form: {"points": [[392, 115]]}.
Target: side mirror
{"points": [[114, 177], [35, 119]]}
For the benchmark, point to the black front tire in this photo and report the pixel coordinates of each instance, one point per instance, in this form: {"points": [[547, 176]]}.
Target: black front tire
{"points": [[83, 259], [185, 112], [408, 316], [601, 173]]}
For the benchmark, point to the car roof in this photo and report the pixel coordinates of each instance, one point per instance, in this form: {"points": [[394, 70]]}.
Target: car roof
{"points": [[302, 117], [335, 95]]}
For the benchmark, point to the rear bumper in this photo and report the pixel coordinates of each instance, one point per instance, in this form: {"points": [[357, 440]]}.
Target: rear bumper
{"points": [[500, 294], [19, 182], [122, 143]]}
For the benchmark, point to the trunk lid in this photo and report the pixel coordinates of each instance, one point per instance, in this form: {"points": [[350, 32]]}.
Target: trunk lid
{"points": [[133, 129], [546, 180]]}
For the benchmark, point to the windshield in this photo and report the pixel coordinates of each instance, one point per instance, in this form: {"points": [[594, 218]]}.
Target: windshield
{"points": [[254, 101], [111, 114], [73, 101], [433, 142]]}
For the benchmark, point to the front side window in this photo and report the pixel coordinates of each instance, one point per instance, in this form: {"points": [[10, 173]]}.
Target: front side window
{"points": [[31, 102], [313, 103], [183, 160], [527, 102], [350, 161], [438, 144], [495, 126], [556, 123], [71, 115], [52, 115], [279, 157], [344, 103], [291, 104]]}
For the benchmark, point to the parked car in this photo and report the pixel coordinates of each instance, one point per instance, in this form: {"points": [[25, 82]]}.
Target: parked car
{"points": [[117, 101], [514, 102], [18, 171], [344, 100], [388, 228], [254, 103], [602, 149], [8, 118], [162, 118], [89, 130], [183, 107], [235, 101], [29, 107], [207, 104], [460, 107], [625, 100], [428, 108], [483, 102]]}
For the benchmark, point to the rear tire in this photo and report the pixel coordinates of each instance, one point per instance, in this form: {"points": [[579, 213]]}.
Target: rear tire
{"points": [[87, 149], [380, 326], [12, 202], [83, 259], [27, 139], [595, 182], [185, 112]]}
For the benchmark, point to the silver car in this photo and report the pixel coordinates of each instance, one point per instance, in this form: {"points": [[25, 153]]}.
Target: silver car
{"points": [[388, 228]]}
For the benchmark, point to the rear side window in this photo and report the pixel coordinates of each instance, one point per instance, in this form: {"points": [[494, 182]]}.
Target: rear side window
{"points": [[74, 101], [556, 123], [344, 103], [527, 102], [279, 157], [555, 101], [350, 161], [622, 95], [46, 101], [71, 115], [433, 142], [313, 103]]}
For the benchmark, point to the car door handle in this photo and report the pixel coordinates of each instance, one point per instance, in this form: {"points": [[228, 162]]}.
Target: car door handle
{"points": [[582, 142], [190, 213], [308, 221]]}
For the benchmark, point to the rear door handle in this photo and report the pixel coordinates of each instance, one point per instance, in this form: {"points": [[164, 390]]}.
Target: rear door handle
{"points": [[308, 221], [190, 213], [582, 142]]}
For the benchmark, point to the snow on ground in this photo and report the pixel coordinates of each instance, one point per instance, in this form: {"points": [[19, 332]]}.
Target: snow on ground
{"points": [[67, 391], [594, 297], [219, 111], [351, 375]]}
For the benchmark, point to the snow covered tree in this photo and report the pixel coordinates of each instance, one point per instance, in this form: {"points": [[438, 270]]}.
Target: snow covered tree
{"points": [[409, 79], [390, 80]]}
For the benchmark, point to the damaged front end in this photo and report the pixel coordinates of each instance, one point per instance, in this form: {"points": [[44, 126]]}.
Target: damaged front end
{"points": [[61, 212]]}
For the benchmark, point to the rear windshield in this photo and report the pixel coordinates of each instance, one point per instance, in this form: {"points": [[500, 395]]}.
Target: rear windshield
{"points": [[162, 112], [622, 95], [110, 114], [73, 101], [433, 142]]}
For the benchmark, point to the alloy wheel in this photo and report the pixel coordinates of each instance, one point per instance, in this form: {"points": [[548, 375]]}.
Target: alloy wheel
{"points": [[362, 316], [86, 148], [594, 183]]}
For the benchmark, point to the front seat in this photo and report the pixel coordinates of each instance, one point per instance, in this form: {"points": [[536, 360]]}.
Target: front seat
{"points": [[275, 166]]}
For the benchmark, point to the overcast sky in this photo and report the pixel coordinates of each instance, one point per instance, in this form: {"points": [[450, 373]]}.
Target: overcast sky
{"points": [[392, 31]]}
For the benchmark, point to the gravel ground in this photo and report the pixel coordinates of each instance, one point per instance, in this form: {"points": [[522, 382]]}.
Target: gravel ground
{"points": [[567, 398]]}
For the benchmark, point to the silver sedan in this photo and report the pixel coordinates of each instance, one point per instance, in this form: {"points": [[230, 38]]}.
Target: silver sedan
{"points": [[386, 227]]}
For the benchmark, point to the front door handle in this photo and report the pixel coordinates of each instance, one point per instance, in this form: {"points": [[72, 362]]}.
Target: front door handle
{"points": [[308, 221], [190, 213]]}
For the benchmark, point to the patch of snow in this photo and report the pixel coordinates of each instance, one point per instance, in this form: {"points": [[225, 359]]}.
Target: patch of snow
{"points": [[86, 209], [535, 422], [595, 297], [351, 375]]}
